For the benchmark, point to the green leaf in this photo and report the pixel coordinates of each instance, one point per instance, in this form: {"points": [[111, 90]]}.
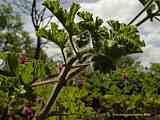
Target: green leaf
{"points": [[27, 74], [13, 62], [57, 10], [86, 16], [42, 32], [55, 35], [73, 11]]}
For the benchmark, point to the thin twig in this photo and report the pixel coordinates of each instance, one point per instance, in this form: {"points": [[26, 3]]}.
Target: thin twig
{"points": [[74, 73], [47, 17], [42, 15], [50, 80], [142, 11], [64, 57], [50, 18], [158, 19], [37, 84], [32, 12], [146, 18], [72, 44]]}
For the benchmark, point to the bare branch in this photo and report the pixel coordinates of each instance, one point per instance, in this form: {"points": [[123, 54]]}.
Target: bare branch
{"points": [[50, 18], [36, 84], [64, 57], [77, 71], [72, 44], [158, 19], [32, 12], [146, 18], [141, 12]]}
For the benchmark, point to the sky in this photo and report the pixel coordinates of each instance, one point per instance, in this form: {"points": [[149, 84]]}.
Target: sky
{"points": [[124, 11]]}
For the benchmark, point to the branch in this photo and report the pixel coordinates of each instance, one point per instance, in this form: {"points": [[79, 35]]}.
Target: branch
{"points": [[77, 66], [64, 58], [54, 94], [74, 73], [41, 16], [142, 11], [62, 82], [50, 18], [38, 48], [72, 44], [44, 82], [37, 19], [50, 79], [157, 19], [32, 13], [146, 18], [80, 54]]}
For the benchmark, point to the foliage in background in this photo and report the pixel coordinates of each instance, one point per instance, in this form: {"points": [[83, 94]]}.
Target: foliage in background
{"points": [[12, 36], [129, 90]]}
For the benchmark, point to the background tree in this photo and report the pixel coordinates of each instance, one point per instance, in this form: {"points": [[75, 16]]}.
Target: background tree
{"points": [[12, 36]]}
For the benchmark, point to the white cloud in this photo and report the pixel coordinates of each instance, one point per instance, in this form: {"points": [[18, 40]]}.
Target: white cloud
{"points": [[152, 39], [53, 52], [122, 10], [150, 55]]}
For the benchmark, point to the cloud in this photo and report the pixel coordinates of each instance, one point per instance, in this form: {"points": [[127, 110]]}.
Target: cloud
{"points": [[53, 52], [152, 40], [122, 10], [151, 52], [150, 27], [150, 55]]}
